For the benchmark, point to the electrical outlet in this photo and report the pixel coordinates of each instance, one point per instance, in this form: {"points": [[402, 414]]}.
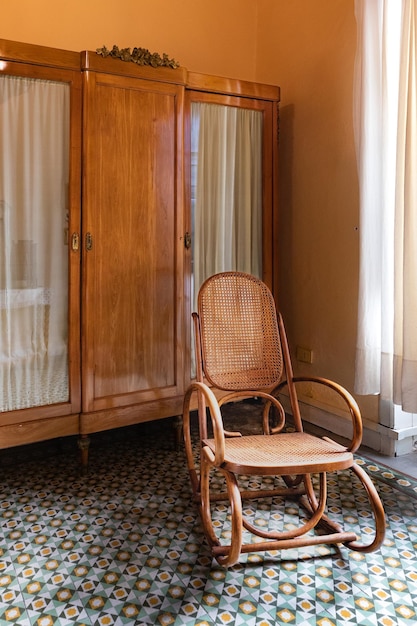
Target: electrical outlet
{"points": [[305, 355]]}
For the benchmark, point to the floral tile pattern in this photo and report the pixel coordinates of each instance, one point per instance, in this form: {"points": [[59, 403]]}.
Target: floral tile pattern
{"points": [[124, 545]]}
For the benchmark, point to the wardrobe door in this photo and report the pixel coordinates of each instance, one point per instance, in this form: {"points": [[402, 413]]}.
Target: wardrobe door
{"points": [[133, 246], [40, 180]]}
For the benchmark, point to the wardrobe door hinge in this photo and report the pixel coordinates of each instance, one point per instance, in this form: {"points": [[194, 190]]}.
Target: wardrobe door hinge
{"points": [[187, 240], [75, 242], [88, 241]]}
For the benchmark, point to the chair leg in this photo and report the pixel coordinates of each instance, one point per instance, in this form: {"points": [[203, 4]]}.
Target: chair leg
{"points": [[235, 501], [310, 504], [188, 446], [378, 511]]}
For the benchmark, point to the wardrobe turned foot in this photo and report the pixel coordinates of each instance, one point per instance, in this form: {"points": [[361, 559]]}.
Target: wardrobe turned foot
{"points": [[178, 429], [84, 445]]}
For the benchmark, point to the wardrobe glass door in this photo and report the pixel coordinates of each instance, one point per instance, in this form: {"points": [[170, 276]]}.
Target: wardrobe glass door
{"points": [[34, 226], [226, 184], [231, 159]]}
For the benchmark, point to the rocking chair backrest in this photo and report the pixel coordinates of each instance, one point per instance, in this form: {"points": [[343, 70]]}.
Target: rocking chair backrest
{"points": [[240, 341]]}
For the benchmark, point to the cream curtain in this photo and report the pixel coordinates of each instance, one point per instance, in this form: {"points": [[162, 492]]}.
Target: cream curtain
{"points": [[385, 105], [34, 169], [227, 183]]}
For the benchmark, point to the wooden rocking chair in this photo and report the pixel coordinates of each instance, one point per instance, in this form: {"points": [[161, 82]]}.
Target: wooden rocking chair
{"points": [[242, 352]]}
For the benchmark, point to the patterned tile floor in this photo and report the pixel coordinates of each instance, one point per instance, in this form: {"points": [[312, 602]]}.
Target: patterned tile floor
{"points": [[123, 545]]}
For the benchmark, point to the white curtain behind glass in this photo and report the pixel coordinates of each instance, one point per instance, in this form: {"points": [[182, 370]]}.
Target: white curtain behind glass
{"points": [[227, 184], [386, 138], [34, 168]]}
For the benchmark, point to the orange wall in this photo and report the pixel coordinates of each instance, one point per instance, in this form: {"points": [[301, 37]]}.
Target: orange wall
{"points": [[313, 45], [308, 48], [215, 37]]}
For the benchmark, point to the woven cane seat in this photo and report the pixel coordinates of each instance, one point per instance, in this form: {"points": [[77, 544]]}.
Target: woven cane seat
{"points": [[286, 453]]}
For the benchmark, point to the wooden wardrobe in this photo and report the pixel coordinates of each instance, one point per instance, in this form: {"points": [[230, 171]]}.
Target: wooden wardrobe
{"points": [[129, 280]]}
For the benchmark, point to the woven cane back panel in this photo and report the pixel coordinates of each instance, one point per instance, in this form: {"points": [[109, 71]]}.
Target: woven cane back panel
{"points": [[239, 333]]}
